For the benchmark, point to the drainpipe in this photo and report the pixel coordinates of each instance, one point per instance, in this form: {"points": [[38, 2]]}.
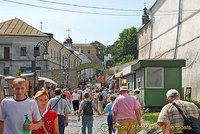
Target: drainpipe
{"points": [[151, 36], [60, 55], [178, 27]]}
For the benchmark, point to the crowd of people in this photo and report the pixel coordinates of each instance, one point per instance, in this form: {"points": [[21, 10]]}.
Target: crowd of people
{"points": [[48, 111]]}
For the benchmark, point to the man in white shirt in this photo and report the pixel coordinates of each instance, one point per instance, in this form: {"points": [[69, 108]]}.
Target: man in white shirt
{"points": [[139, 99], [14, 109]]}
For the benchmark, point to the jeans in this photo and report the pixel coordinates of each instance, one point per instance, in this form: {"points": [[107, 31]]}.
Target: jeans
{"points": [[87, 121], [61, 123], [110, 124]]}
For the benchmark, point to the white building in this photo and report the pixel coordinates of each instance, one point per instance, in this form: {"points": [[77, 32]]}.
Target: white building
{"points": [[173, 33]]}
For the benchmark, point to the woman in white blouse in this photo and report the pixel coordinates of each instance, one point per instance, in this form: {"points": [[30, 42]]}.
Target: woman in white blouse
{"points": [[75, 101]]}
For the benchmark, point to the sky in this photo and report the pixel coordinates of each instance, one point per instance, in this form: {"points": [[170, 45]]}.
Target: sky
{"points": [[88, 20]]}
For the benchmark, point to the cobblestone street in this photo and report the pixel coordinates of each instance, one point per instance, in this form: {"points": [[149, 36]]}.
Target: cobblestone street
{"points": [[74, 126]]}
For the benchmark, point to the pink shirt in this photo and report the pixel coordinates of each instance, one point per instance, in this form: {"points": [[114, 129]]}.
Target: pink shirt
{"points": [[125, 106]]}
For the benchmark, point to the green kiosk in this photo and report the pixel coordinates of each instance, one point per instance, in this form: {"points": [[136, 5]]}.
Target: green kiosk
{"points": [[154, 77]]}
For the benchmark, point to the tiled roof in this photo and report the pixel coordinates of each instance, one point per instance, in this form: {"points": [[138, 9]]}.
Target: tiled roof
{"points": [[18, 27], [82, 45]]}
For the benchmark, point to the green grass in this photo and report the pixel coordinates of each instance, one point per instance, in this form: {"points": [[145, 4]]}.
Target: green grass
{"points": [[151, 116]]}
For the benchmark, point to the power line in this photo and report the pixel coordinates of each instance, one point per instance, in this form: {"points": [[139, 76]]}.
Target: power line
{"points": [[83, 12], [51, 8], [117, 9]]}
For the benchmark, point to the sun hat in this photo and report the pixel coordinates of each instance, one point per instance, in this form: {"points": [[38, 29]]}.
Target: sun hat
{"points": [[123, 88], [172, 93], [137, 90]]}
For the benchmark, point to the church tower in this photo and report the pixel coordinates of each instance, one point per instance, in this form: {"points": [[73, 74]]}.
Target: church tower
{"points": [[145, 17], [68, 42]]}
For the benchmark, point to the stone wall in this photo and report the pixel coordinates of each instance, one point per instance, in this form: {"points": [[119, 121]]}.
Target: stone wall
{"points": [[61, 76]]}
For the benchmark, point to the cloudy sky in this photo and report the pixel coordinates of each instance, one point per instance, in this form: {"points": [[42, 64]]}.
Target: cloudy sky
{"points": [[89, 20]]}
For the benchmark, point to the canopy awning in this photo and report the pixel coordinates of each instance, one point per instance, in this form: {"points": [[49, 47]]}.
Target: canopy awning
{"points": [[1, 76], [119, 75], [10, 78], [47, 80]]}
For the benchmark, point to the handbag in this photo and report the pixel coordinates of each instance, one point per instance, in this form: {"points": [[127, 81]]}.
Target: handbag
{"points": [[190, 121]]}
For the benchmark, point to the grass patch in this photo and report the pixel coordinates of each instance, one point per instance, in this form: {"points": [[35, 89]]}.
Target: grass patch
{"points": [[151, 116]]}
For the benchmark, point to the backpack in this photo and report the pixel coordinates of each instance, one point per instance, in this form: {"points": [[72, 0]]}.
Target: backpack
{"points": [[100, 96], [87, 110], [189, 121]]}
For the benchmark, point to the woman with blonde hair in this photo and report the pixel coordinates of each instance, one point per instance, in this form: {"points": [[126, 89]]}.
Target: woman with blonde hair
{"points": [[49, 117]]}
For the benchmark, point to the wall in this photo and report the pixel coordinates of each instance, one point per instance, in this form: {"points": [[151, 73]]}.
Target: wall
{"points": [[60, 76], [15, 44], [164, 39]]}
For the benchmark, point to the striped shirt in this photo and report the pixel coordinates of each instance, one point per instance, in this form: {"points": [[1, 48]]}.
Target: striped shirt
{"points": [[170, 114], [61, 108]]}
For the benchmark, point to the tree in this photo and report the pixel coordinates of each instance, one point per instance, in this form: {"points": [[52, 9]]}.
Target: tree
{"points": [[127, 58], [100, 49], [17, 73], [125, 48]]}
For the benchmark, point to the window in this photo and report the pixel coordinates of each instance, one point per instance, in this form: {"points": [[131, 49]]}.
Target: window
{"points": [[139, 78], [63, 60], [51, 53], [6, 70], [54, 53], [6, 53], [88, 51], [23, 51], [81, 51], [154, 77], [57, 56], [23, 69]]}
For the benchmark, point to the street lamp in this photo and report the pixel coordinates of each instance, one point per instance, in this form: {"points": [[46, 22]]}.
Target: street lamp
{"points": [[44, 43]]}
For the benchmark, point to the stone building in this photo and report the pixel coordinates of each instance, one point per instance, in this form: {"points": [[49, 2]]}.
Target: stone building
{"points": [[173, 33], [17, 42], [87, 54], [89, 50]]}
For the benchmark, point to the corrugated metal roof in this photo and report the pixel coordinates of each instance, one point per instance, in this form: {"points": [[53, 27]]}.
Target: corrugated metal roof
{"points": [[18, 27]]}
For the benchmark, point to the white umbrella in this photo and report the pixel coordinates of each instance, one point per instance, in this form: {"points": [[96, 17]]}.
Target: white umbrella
{"points": [[47, 80], [9, 77]]}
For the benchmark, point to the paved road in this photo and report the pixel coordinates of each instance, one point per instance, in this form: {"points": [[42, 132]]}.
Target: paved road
{"points": [[74, 126]]}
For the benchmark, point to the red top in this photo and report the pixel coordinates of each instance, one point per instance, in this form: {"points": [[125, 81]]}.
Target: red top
{"points": [[48, 121], [68, 95]]}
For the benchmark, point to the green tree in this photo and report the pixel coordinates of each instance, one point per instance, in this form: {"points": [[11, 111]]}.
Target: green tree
{"points": [[125, 48], [17, 73], [100, 49], [127, 58]]}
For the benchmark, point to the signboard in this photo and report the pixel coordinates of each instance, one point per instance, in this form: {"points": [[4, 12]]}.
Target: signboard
{"points": [[101, 79]]}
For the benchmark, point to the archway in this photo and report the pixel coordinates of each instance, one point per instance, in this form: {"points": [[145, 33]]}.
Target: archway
{"points": [[88, 65]]}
